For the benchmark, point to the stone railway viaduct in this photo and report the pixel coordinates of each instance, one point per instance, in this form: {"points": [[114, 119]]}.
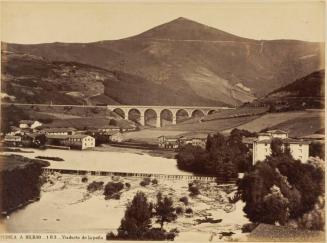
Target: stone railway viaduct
{"points": [[158, 111], [143, 110]]}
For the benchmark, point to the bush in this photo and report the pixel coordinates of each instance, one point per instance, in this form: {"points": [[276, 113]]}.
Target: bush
{"points": [[94, 186], [146, 181], [115, 178], [127, 185], [184, 200], [84, 179], [179, 210], [143, 183], [194, 190], [115, 196], [189, 211], [112, 187], [154, 182], [111, 236]]}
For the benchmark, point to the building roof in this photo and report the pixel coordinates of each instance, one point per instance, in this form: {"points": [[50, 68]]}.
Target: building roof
{"points": [[248, 140], [79, 136], [286, 140], [170, 137], [314, 136], [12, 137], [276, 131], [14, 128], [59, 129], [113, 132], [28, 122], [268, 232], [199, 135], [108, 127]]}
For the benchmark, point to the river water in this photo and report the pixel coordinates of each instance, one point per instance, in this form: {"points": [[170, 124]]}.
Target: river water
{"points": [[108, 161]]}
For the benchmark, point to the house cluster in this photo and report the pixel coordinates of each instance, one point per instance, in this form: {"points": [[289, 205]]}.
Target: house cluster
{"points": [[261, 148], [175, 142], [32, 134]]}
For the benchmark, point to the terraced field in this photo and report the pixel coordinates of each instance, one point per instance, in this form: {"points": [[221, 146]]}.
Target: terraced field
{"points": [[297, 123]]}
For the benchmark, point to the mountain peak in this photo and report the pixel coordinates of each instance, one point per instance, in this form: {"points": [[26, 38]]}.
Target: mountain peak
{"points": [[182, 19], [186, 29]]}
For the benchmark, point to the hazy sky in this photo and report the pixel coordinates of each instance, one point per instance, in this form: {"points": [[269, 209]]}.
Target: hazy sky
{"points": [[40, 22]]}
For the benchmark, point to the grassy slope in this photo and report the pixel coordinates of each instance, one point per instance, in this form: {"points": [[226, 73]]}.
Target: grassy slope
{"points": [[297, 123]]}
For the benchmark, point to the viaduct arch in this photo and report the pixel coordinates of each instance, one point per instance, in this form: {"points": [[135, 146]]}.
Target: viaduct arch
{"points": [[156, 113]]}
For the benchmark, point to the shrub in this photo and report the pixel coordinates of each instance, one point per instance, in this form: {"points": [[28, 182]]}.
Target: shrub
{"points": [[146, 181], [111, 236], [194, 190], [179, 210], [189, 211], [142, 183], [249, 227], [94, 186], [154, 182], [112, 188], [115, 178], [127, 185], [116, 196], [184, 200], [84, 179]]}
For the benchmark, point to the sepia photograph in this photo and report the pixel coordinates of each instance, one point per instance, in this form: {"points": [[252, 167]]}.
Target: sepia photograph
{"points": [[187, 121]]}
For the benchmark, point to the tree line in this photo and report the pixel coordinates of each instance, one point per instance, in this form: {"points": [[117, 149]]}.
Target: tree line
{"points": [[223, 156]]}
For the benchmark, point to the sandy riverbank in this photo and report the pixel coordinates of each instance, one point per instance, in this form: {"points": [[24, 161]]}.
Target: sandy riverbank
{"points": [[66, 206]]}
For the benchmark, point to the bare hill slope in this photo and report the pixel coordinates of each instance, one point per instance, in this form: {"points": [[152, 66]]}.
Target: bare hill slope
{"points": [[195, 60], [28, 78]]}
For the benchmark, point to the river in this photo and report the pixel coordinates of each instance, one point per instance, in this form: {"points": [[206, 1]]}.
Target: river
{"points": [[108, 161]]}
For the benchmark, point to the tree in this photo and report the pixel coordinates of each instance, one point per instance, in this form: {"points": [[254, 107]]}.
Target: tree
{"points": [[276, 147], [40, 140], [317, 149], [276, 207], [299, 187], [137, 219], [165, 211]]}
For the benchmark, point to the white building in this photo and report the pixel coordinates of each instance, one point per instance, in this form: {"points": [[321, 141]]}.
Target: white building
{"points": [[29, 124], [261, 146], [78, 141]]}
